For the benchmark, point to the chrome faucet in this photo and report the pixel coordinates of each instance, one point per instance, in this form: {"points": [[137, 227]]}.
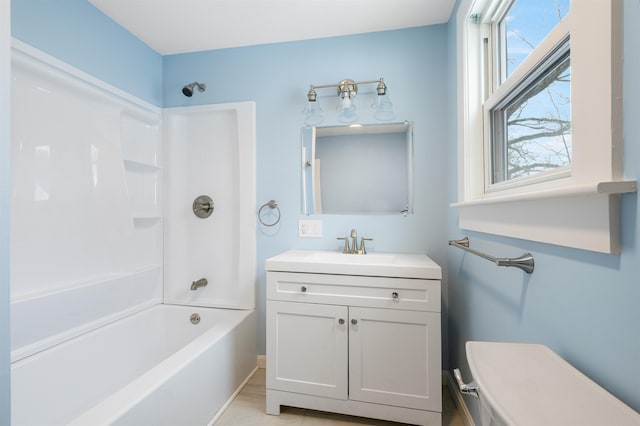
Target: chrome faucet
{"points": [[354, 241], [352, 248], [362, 250], [200, 283], [346, 249]]}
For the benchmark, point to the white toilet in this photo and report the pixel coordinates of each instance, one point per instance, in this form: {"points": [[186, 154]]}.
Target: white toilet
{"points": [[528, 384]]}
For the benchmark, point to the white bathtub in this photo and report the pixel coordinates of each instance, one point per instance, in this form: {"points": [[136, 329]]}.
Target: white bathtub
{"points": [[152, 368]]}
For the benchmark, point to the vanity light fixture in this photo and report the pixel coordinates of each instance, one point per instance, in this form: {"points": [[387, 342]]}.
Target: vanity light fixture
{"points": [[313, 111], [347, 90]]}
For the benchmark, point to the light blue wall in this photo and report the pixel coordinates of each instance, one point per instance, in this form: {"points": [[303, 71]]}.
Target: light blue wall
{"points": [[77, 33], [278, 76], [5, 191], [581, 304]]}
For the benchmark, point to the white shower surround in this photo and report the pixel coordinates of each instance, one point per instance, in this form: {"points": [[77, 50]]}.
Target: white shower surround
{"points": [[87, 245], [80, 254], [220, 163]]}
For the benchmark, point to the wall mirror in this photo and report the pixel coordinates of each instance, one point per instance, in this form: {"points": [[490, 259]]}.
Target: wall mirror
{"points": [[358, 169]]}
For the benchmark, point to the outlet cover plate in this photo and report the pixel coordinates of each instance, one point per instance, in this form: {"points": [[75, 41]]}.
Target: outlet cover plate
{"points": [[309, 228]]}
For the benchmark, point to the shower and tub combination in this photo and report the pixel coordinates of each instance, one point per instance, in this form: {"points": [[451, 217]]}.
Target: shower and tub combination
{"points": [[126, 306]]}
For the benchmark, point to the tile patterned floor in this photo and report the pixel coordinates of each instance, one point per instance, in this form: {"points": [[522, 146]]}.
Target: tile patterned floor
{"points": [[248, 409]]}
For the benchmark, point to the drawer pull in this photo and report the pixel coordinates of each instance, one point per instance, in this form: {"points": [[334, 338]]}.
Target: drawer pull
{"points": [[341, 321], [395, 295], [303, 289], [354, 321]]}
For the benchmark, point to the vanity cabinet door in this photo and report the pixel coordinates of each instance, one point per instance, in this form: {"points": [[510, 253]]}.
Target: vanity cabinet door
{"points": [[307, 348], [394, 358]]}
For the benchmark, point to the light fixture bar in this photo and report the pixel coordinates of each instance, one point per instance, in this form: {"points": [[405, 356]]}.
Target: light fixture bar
{"points": [[324, 86], [380, 82], [347, 90]]}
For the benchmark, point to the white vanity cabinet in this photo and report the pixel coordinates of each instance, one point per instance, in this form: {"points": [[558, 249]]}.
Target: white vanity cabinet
{"points": [[354, 344], [307, 348]]}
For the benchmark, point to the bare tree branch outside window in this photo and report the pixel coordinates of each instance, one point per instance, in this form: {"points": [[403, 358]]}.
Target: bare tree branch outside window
{"points": [[538, 121]]}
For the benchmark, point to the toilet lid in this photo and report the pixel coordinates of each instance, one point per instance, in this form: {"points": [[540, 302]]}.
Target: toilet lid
{"points": [[529, 384]]}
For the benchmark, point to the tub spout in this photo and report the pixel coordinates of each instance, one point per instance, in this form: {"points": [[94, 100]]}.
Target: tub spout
{"points": [[200, 283]]}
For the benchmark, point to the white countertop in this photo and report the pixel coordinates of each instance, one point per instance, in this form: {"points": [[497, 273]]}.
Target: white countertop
{"points": [[373, 264]]}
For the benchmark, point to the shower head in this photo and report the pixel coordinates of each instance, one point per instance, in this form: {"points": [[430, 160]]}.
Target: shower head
{"points": [[188, 89]]}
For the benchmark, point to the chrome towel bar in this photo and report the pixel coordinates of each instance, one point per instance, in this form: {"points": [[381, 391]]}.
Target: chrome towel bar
{"points": [[524, 262]]}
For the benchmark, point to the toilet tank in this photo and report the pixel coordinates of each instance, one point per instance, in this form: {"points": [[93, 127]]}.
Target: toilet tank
{"points": [[528, 384]]}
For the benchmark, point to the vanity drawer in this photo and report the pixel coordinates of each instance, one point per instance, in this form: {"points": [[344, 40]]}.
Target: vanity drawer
{"points": [[380, 292]]}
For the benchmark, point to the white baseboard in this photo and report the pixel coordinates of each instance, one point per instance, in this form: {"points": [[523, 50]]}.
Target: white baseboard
{"points": [[447, 378], [261, 361]]}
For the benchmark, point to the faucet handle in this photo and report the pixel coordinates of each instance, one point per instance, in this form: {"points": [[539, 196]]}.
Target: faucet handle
{"points": [[362, 250], [346, 249]]}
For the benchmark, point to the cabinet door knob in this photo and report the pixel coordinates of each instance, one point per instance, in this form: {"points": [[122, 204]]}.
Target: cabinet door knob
{"points": [[354, 321], [395, 295], [303, 289], [341, 321]]}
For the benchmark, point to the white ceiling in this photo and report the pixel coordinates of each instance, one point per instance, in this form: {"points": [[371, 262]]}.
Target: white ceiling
{"points": [[179, 26]]}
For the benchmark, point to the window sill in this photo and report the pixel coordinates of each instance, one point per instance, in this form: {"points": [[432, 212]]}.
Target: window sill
{"points": [[585, 217], [598, 188]]}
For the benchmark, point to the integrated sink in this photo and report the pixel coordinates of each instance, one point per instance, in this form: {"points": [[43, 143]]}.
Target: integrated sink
{"points": [[335, 257], [373, 264]]}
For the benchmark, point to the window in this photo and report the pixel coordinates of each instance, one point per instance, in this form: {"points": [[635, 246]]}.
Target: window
{"points": [[539, 131], [531, 125], [523, 27], [528, 114]]}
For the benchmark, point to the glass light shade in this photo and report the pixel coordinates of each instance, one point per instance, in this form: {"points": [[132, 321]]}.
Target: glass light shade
{"points": [[383, 108], [347, 110], [313, 113]]}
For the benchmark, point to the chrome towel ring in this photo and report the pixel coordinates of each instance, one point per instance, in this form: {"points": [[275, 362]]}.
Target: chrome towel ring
{"points": [[273, 205]]}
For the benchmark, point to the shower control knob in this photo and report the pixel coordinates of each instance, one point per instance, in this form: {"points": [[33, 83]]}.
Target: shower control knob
{"points": [[341, 321], [303, 289], [395, 295], [354, 321], [203, 206]]}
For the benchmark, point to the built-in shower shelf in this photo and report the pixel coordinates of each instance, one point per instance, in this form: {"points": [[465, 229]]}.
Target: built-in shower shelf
{"points": [[141, 217], [141, 147], [144, 189], [146, 220], [141, 167]]}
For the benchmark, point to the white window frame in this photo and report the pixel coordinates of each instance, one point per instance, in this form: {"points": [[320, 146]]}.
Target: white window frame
{"points": [[573, 207], [501, 91]]}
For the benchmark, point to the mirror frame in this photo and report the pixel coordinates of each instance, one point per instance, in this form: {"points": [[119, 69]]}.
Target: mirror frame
{"points": [[309, 136]]}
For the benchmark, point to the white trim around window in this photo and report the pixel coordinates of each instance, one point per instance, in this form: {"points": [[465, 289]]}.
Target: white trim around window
{"points": [[580, 208]]}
